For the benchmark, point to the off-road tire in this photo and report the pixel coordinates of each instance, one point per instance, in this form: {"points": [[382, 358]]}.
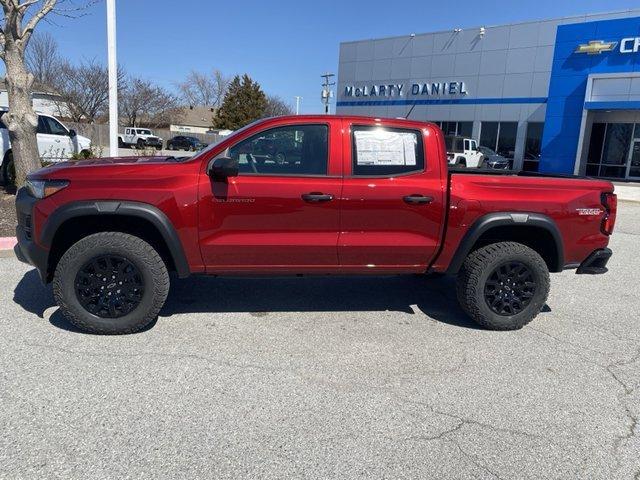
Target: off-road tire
{"points": [[142, 255], [477, 269], [461, 162]]}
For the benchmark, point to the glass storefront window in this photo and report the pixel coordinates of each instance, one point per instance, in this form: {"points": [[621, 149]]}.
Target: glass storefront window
{"points": [[507, 139], [532, 147], [489, 135], [616, 150], [594, 156], [609, 149], [499, 136], [465, 129]]}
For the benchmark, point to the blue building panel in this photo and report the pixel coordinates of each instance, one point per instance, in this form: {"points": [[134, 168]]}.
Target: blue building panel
{"points": [[568, 85]]}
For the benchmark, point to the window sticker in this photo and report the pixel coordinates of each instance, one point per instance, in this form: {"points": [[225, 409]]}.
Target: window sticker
{"points": [[384, 148]]}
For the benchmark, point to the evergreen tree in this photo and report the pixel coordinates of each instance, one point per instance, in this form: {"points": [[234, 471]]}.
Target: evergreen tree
{"points": [[243, 103]]}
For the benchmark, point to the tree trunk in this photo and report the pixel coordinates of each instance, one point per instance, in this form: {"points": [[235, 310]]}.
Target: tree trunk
{"points": [[22, 121]]}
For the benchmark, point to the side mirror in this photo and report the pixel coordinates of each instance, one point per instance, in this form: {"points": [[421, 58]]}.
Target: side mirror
{"points": [[72, 133], [223, 167]]}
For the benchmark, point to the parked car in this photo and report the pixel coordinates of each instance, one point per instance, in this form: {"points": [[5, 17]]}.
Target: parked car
{"points": [[365, 197], [462, 152], [493, 160], [139, 138], [180, 142], [56, 143]]}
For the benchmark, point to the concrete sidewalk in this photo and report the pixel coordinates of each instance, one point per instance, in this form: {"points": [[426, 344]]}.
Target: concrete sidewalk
{"points": [[628, 192]]}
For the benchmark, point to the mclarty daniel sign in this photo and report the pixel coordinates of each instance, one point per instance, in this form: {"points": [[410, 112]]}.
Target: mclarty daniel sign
{"points": [[432, 89]]}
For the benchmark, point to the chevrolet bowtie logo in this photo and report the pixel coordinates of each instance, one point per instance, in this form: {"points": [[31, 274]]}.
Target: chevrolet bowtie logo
{"points": [[596, 47]]}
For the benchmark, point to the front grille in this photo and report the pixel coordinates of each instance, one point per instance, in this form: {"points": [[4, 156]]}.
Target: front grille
{"points": [[25, 222]]}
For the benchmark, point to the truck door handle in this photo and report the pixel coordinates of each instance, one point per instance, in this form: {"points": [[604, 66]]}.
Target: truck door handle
{"points": [[417, 199], [316, 197]]}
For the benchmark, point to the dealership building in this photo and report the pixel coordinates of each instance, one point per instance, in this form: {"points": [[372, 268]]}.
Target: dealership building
{"points": [[559, 96]]}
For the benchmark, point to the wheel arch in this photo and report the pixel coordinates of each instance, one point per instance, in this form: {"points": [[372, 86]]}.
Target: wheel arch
{"points": [[73, 221], [534, 230]]}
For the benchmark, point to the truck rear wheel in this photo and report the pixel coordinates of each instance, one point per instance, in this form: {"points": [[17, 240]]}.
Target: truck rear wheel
{"points": [[503, 286], [111, 283]]}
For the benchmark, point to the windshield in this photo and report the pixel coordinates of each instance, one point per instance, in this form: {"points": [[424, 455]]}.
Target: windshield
{"points": [[487, 151], [144, 132]]}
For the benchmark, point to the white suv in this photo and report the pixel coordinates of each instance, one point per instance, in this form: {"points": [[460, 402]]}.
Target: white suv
{"points": [[56, 143]]}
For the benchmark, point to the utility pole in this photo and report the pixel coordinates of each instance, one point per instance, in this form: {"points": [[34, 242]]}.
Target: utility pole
{"points": [[113, 78], [327, 93], [298, 104]]}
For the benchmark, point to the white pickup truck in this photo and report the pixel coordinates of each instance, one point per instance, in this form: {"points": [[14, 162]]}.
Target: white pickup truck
{"points": [[139, 138], [56, 143]]}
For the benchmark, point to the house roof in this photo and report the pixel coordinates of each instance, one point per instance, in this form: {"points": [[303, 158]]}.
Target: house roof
{"points": [[197, 117]]}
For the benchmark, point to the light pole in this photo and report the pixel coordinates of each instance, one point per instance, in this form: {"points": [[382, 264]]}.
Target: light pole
{"points": [[113, 78], [298, 104]]}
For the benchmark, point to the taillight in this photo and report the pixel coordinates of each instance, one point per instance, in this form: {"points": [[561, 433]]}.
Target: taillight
{"points": [[610, 204]]}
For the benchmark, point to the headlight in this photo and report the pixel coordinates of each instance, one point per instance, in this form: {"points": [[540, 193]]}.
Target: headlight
{"points": [[45, 188]]}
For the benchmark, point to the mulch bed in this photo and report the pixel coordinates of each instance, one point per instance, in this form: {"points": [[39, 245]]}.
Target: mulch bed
{"points": [[8, 219]]}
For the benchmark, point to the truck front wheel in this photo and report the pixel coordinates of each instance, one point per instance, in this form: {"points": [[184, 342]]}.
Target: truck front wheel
{"points": [[503, 286], [111, 283]]}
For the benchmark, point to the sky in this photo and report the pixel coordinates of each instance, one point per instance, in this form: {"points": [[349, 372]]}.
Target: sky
{"points": [[285, 45]]}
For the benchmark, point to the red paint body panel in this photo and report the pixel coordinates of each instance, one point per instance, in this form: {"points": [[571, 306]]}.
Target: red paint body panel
{"points": [[259, 224]]}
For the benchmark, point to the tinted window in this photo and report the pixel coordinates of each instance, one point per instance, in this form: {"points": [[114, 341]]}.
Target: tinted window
{"points": [[55, 127], [2, 125], [43, 126], [386, 151], [296, 149]]}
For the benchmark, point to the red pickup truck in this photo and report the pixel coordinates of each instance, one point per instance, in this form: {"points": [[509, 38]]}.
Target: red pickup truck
{"points": [[306, 195]]}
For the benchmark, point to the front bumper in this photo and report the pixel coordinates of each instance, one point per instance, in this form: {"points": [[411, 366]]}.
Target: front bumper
{"points": [[27, 250], [153, 142], [596, 263]]}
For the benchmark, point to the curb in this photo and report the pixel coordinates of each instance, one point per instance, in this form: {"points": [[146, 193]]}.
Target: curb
{"points": [[6, 246]]}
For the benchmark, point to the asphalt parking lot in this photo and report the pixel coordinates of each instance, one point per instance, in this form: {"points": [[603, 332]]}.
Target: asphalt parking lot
{"points": [[327, 378]]}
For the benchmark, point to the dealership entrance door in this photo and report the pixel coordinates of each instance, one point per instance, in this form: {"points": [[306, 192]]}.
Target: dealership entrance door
{"points": [[634, 161], [613, 147]]}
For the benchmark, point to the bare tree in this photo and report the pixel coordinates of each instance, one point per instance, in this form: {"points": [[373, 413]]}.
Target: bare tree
{"points": [[143, 101], [277, 107], [43, 60], [21, 17], [201, 89], [85, 89]]}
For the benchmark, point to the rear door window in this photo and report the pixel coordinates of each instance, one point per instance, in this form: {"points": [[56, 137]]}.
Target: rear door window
{"points": [[386, 151]]}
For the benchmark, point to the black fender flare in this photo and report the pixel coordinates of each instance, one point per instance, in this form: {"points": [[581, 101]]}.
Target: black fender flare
{"points": [[124, 208], [500, 219]]}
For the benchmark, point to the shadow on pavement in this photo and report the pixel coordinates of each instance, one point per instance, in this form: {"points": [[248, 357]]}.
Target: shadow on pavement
{"points": [[434, 296]]}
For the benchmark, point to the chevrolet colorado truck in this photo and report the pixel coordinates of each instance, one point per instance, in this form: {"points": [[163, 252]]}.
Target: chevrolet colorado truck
{"points": [[352, 196]]}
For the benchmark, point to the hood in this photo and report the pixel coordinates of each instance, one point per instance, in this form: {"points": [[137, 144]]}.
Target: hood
{"points": [[103, 163]]}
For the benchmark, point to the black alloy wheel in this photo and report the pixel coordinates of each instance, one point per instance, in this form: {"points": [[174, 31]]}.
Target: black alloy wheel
{"points": [[109, 286], [510, 288]]}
